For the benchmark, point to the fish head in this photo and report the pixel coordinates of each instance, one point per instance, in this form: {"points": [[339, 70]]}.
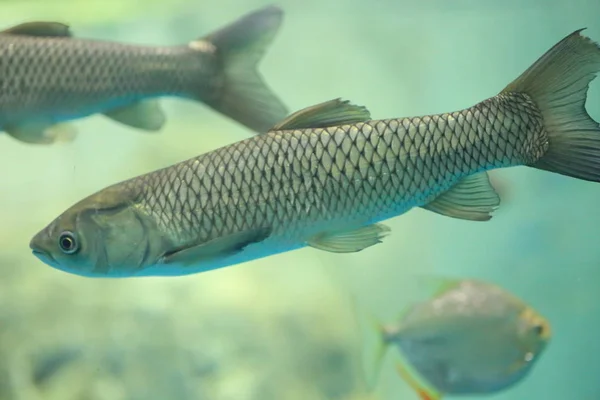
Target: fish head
{"points": [[103, 235], [535, 332], [529, 341]]}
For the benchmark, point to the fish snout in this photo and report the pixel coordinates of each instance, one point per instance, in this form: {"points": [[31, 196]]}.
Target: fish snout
{"points": [[40, 245]]}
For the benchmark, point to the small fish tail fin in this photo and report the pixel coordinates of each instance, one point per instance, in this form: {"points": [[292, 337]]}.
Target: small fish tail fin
{"points": [[424, 392], [558, 83], [242, 93], [375, 349], [374, 343]]}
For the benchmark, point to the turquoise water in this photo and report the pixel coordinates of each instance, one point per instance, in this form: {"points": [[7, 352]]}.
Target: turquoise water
{"points": [[283, 327]]}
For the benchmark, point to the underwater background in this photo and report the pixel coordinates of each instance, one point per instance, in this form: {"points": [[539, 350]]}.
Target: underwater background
{"points": [[284, 327]]}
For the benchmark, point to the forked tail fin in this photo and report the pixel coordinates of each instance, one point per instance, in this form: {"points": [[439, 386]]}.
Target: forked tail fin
{"points": [[558, 83], [374, 348], [243, 94]]}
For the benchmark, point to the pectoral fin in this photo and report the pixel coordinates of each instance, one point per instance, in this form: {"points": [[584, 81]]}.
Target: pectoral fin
{"points": [[42, 132], [40, 28], [216, 248], [473, 198], [146, 115], [349, 241]]}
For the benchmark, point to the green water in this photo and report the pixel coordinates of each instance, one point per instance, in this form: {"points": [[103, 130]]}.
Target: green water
{"points": [[283, 327]]}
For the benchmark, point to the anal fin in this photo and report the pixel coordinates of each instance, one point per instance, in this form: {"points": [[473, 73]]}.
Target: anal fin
{"points": [[473, 198], [349, 241], [146, 115], [422, 390], [216, 248], [39, 132]]}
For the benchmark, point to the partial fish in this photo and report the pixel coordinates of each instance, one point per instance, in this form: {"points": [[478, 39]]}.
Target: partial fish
{"points": [[50, 77], [469, 338], [327, 175]]}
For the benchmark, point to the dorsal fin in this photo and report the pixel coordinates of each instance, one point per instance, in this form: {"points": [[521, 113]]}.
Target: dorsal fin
{"points": [[330, 113], [40, 28]]}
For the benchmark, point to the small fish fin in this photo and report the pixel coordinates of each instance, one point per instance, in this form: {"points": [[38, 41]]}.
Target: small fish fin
{"points": [[349, 241], [558, 83], [423, 391], [375, 350], [243, 95], [216, 248], [146, 115], [40, 28], [42, 133], [373, 338], [330, 113], [473, 198]]}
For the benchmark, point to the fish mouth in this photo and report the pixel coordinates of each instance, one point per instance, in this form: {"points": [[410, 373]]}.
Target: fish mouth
{"points": [[42, 255], [38, 245]]}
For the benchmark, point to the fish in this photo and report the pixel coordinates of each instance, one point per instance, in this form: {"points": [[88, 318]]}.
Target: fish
{"points": [[471, 338], [327, 175], [51, 78]]}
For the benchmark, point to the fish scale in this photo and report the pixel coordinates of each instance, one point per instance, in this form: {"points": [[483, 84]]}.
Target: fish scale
{"points": [[361, 173]]}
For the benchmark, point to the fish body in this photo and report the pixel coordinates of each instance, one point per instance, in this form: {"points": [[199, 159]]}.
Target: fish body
{"points": [[327, 175], [50, 77], [473, 338]]}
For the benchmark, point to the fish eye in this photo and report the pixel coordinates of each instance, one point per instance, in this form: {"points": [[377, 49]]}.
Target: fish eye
{"points": [[68, 243], [539, 329]]}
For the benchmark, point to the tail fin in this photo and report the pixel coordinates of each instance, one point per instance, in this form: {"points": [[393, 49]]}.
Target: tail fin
{"points": [[373, 337], [244, 96], [374, 351], [558, 83], [376, 338], [376, 344]]}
